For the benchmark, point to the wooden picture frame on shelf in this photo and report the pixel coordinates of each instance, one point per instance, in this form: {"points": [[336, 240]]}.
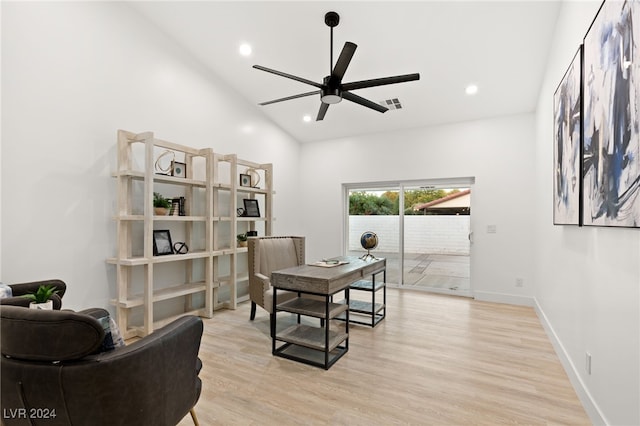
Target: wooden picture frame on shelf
{"points": [[178, 169], [162, 244], [245, 180], [251, 208]]}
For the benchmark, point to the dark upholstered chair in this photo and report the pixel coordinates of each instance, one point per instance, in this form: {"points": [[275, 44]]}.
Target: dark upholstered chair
{"points": [[49, 365], [268, 254], [21, 289]]}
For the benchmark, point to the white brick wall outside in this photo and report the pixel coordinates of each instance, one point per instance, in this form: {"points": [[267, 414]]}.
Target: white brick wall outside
{"points": [[423, 234]]}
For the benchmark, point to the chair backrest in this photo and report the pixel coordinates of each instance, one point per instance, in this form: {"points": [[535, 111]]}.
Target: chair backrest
{"points": [[42, 335], [268, 254], [274, 253]]}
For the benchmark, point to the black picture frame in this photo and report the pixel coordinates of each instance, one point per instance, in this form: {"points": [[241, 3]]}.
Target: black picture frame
{"points": [[567, 146], [162, 244], [251, 208], [610, 135], [178, 169], [245, 180]]}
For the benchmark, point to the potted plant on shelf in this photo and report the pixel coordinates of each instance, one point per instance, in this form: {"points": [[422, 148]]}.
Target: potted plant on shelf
{"points": [[160, 204], [41, 298], [242, 240]]}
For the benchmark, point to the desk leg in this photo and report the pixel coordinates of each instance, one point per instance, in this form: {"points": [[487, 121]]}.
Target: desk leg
{"points": [[346, 323], [272, 322]]}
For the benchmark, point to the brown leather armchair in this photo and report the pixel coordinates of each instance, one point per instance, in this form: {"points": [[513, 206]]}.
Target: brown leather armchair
{"points": [[51, 373], [21, 289]]}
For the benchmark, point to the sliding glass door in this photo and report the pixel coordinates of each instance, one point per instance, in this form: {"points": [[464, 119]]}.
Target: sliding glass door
{"points": [[422, 227], [375, 209], [437, 248]]}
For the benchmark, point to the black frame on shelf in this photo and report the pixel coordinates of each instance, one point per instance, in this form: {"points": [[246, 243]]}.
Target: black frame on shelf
{"points": [[162, 235], [251, 207]]}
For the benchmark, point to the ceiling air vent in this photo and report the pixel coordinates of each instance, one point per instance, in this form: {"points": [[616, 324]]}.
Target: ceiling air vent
{"points": [[391, 104]]}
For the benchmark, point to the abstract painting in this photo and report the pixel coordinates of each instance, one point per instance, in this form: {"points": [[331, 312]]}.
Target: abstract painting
{"points": [[567, 180], [611, 120]]}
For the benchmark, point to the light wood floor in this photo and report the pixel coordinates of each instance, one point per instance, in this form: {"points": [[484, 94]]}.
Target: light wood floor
{"points": [[435, 360]]}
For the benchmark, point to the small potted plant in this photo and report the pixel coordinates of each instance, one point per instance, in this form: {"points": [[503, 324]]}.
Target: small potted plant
{"points": [[160, 204], [41, 298], [242, 240]]}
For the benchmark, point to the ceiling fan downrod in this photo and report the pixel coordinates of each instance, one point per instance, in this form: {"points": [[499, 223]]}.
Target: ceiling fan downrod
{"points": [[332, 19]]}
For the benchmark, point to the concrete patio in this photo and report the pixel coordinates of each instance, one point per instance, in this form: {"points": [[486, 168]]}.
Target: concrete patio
{"points": [[447, 273]]}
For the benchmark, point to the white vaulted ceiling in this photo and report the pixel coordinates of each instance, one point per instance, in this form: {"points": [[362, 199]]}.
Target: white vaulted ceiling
{"points": [[500, 46]]}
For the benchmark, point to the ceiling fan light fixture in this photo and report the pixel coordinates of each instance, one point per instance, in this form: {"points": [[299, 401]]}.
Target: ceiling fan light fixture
{"points": [[331, 98], [329, 93]]}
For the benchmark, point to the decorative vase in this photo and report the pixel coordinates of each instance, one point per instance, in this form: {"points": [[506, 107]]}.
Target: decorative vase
{"points": [[242, 243], [160, 211], [47, 306]]}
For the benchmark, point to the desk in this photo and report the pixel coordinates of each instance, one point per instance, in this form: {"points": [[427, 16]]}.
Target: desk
{"points": [[309, 344]]}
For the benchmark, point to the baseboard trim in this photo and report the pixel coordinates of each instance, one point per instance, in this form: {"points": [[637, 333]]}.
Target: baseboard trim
{"points": [[510, 299], [594, 413]]}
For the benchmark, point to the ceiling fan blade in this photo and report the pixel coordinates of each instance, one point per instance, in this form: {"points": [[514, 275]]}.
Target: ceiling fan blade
{"points": [[380, 81], [323, 110], [292, 77], [301, 95], [343, 61], [364, 102]]}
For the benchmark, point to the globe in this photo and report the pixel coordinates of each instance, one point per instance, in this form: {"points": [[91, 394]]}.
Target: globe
{"points": [[369, 240]]}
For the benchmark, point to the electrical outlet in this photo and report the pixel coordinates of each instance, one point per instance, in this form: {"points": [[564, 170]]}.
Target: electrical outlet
{"points": [[492, 229], [519, 282], [587, 363]]}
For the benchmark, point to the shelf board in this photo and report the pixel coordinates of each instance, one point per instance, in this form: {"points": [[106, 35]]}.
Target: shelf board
{"points": [[366, 285], [180, 218], [161, 178], [312, 307], [186, 256], [140, 260], [163, 294], [134, 217], [251, 190], [364, 307], [311, 337]]}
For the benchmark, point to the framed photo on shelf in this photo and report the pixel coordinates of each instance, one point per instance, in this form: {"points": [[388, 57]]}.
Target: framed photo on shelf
{"points": [[251, 208], [162, 244], [245, 180], [178, 169]]}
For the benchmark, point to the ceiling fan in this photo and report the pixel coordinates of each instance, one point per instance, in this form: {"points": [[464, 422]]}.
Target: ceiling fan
{"points": [[332, 90]]}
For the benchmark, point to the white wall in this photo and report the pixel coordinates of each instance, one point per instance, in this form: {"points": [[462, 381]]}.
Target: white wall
{"points": [[429, 234], [72, 74], [588, 279], [498, 153]]}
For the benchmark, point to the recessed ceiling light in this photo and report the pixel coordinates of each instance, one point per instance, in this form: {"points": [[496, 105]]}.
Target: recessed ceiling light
{"points": [[471, 89], [306, 118], [245, 49]]}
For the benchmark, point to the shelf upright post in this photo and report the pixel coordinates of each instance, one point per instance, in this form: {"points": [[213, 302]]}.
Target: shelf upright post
{"points": [[123, 232], [233, 198], [268, 198], [148, 234], [209, 213]]}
